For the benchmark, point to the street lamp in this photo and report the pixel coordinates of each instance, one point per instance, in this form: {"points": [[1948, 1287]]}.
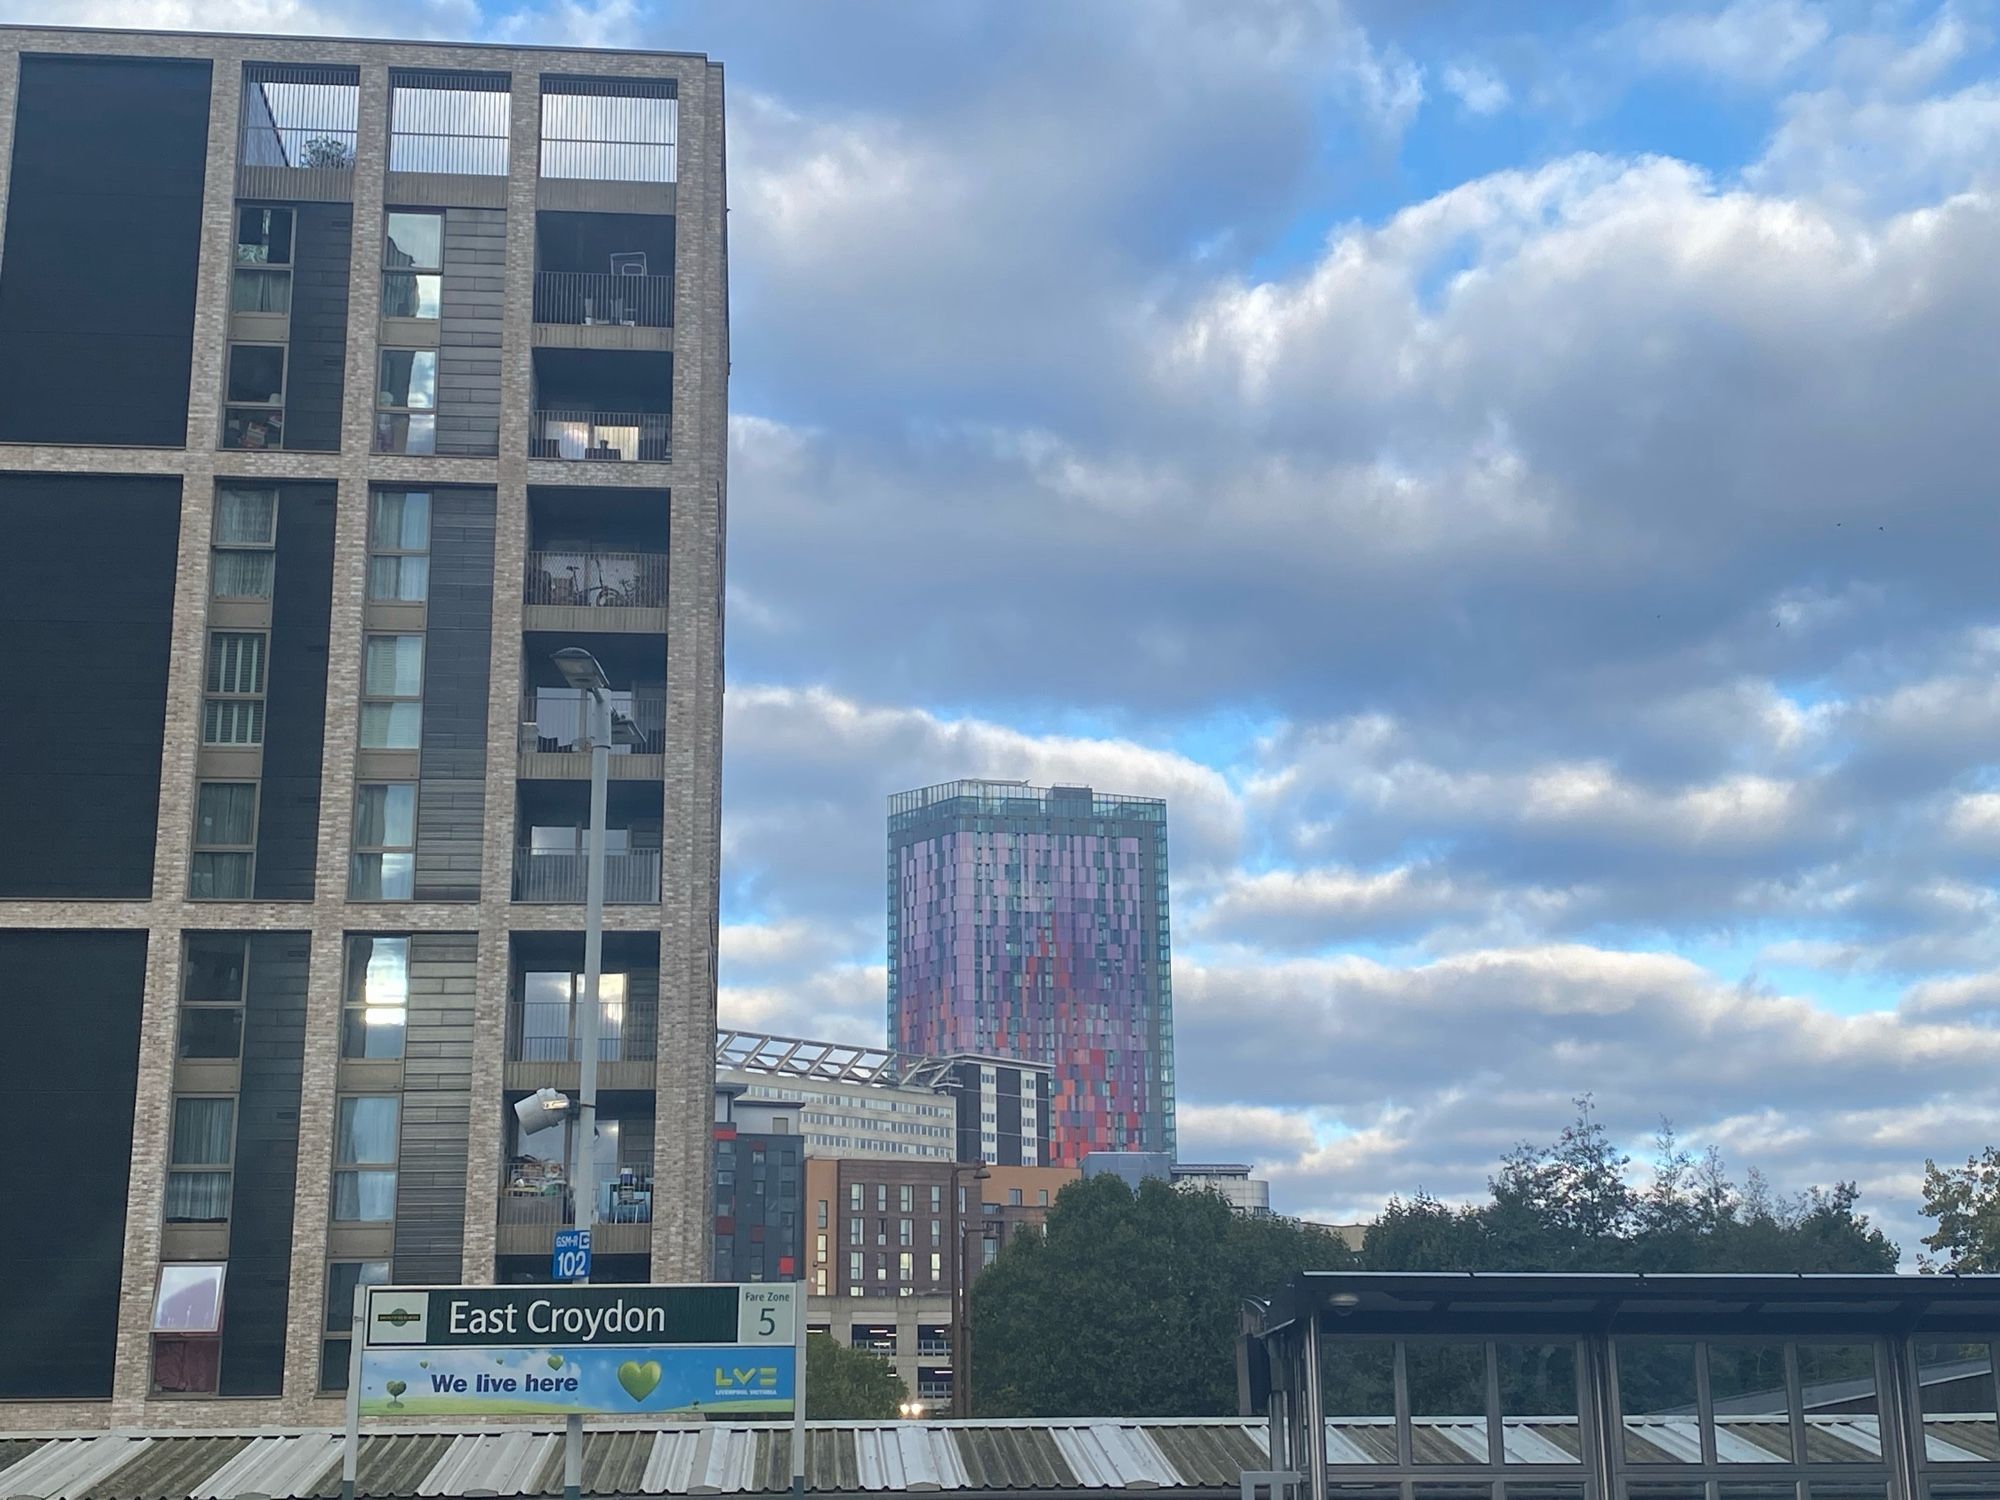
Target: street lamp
{"points": [[961, 1301], [581, 671]]}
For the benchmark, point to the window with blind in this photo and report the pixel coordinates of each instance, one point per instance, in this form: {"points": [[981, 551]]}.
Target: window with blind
{"points": [[364, 1178], [243, 563], [399, 544], [233, 709], [392, 687], [204, 1142], [225, 836]]}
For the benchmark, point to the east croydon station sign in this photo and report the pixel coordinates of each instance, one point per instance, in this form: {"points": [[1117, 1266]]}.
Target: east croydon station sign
{"points": [[592, 1350]]}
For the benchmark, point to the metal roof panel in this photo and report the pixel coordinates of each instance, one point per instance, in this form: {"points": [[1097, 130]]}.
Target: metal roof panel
{"points": [[66, 1468]]}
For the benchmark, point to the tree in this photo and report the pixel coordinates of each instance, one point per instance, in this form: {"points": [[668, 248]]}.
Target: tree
{"points": [[850, 1385], [1128, 1303], [1965, 1201]]}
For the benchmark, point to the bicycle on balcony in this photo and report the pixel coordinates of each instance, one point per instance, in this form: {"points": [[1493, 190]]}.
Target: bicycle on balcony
{"points": [[598, 595]]}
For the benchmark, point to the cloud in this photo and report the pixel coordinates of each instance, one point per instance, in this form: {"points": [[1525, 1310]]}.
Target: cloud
{"points": [[1747, 41], [1478, 90]]}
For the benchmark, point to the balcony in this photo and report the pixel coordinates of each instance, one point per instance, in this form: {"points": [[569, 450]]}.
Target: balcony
{"points": [[631, 877], [535, 1201], [599, 299], [601, 437], [555, 739], [571, 589]]}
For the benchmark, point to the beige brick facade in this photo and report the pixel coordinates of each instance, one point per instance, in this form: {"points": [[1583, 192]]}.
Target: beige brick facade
{"points": [[686, 917]]}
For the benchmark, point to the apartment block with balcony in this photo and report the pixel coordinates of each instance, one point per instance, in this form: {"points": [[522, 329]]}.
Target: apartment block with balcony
{"points": [[360, 378]]}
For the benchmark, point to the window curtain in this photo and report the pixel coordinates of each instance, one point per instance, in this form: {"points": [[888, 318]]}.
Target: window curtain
{"points": [[226, 813], [202, 1130], [245, 518], [367, 1131]]}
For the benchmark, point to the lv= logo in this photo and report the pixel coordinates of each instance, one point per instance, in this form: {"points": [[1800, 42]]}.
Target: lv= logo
{"points": [[756, 1378]]}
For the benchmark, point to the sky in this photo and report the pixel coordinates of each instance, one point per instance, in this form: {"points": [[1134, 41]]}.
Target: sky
{"points": [[1518, 479]]}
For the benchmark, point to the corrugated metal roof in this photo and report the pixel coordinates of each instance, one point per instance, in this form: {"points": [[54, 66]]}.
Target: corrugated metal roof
{"points": [[70, 1468]]}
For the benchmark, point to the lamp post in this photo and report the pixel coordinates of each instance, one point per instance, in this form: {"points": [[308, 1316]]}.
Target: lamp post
{"points": [[581, 671], [961, 1300]]}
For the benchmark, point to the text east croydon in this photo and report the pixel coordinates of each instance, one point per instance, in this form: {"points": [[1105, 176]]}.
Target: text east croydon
{"points": [[542, 1317]]}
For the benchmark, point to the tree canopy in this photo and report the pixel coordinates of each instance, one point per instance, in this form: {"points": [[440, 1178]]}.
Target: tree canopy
{"points": [[849, 1385], [1129, 1303], [1965, 1201]]}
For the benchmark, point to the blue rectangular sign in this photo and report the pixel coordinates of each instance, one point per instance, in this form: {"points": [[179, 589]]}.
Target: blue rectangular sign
{"points": [[622, 1380], [571, 1260]]}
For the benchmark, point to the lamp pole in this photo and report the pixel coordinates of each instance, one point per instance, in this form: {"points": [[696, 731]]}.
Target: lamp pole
{"points": [[961, 1299], [583, 673]]}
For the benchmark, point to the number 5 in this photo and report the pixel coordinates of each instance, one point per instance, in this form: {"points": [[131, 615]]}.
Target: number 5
{"points": [[766, 1323]]}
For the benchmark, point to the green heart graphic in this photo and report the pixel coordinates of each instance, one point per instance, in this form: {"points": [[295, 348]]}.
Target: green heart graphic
{"points": [[555, 1361], [639, 1380], [423, 1364], [395, 1387]]}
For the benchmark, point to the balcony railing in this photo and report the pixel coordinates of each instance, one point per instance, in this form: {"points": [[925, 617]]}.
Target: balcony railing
{"points": [[598, 580], [533, 1193], [600, 436], [630, 879], [544, 1031], [555, 720], [933, 1349], [589, 298]]}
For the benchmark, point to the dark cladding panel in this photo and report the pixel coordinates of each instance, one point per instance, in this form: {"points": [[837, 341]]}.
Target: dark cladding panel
{"points": [[295, 720], [458, 650], [475, 257], [69, 1004], [316, 362], [97, 282], [437, 1109], [80, 786], [255, 1295], [1007, 1117]]}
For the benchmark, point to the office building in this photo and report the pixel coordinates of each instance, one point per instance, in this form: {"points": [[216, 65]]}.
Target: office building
{"points": [[1031, 923], [869, 1101], [1229, 1181], [914, 1334], [345, 383]]}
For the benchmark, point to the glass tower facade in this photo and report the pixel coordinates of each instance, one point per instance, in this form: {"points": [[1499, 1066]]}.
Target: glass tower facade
{"points": [[1031, 922]]}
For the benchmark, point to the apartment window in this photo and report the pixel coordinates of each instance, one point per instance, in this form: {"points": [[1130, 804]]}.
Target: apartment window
{"points": [[937, 1197], [342, 1277], [881, 1197], [819, 1247], [242, 564], [406, 401], [855, 1273], [936, 1231], [905, 1232], [376, 1003], [854, 1196], [819, 1216], [187, 1329], [399, 544], [212, 999], [906, 1266], [233, 709], [225, 835], [392, 687], [412, 260], [263, 281], [1013, 1197], [385, 841], [819, 1282], [854, 1231], [907, 1198], [254, 416], [364, 1177], [1041, 1197], [204, 1144]]}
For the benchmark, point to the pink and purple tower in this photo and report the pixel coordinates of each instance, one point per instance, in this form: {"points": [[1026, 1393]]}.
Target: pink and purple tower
{"points": [[1032, 923]]}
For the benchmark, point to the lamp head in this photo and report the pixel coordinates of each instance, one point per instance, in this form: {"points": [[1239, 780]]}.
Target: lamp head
{"points": [[580, 670], [540, 1110]]}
